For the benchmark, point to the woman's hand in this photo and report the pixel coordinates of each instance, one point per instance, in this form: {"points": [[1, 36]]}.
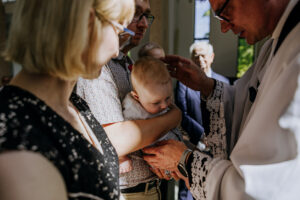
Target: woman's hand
{"points": [[165, 155]]}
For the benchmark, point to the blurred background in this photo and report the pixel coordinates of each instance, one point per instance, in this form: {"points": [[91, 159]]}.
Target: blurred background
{"points": [[177, 24]]}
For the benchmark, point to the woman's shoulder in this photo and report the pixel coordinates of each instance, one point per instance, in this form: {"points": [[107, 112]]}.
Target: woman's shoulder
{"points": [[16, 98], [24, 165], [23, 117], [17, 106], [17, 102]]}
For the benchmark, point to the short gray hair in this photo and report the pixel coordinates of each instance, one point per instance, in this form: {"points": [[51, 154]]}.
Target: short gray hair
{"points": [[144, 50], [202, 46]]}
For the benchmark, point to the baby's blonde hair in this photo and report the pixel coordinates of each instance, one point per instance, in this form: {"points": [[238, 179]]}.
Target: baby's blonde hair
{"points": [[148, 70], [50, 36]]}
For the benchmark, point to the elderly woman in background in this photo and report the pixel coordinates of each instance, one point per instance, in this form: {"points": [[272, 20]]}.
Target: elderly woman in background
{"points": [[51, 146]]}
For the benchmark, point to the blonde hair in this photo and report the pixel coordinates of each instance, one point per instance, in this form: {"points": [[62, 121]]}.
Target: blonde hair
{"points": [[50, 36], [202, 47], [149, 70]]}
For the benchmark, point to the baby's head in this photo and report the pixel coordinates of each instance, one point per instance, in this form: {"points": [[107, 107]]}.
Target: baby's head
{"points": [[152, 85]]}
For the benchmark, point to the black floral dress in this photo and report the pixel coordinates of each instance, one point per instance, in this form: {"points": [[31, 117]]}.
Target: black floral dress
{"points": [[27, 123]]}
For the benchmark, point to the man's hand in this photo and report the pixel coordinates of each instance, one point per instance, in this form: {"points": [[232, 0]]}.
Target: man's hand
{"points": [[168, 175], [161, 173], [187, 72], [165, 155], [177, 175]]}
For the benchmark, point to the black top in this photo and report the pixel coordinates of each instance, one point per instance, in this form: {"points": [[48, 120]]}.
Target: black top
{"points": [[27, 123], [292, 20]]}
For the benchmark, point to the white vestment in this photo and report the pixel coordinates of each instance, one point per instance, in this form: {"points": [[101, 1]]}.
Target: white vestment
{"points": [[264, 150]]}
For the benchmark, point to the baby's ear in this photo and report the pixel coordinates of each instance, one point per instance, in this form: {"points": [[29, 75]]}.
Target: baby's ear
{"points": [[134, 95]]}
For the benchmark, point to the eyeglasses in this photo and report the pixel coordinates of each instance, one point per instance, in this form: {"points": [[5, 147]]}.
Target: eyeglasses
{"points": [[119, 28], [218, 13], [122, 29], [149, 18]]}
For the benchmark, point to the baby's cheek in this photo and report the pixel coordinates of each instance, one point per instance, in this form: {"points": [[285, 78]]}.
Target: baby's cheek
{"points": [[154, 110]]}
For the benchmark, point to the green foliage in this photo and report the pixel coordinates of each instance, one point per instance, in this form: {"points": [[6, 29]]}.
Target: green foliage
{"points": [[207, 13], [245, 57]]}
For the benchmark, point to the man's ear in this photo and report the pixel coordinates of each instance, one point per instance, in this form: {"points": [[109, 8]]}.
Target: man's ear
{"points": [[212, 57], [134, 95]]}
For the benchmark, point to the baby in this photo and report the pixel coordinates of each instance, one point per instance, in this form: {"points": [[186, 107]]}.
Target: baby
{"points": [[151, 96]]}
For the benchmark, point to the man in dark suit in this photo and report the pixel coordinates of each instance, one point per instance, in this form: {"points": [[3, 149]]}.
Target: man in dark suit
{"points": [[189, 101]]}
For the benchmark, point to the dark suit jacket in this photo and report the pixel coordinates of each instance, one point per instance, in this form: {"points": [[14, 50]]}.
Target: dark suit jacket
{"points": [[219, 77], [189, 102]]}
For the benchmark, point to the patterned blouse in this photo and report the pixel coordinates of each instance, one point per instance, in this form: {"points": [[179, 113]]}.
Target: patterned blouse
{"points": [[27, 123]]}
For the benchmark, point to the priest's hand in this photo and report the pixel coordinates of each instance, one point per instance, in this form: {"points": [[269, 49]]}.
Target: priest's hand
{"points": [[190, 74]]}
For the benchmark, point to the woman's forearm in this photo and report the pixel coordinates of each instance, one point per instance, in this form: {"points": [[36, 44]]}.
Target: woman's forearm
{"points": [[129, 136]]}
